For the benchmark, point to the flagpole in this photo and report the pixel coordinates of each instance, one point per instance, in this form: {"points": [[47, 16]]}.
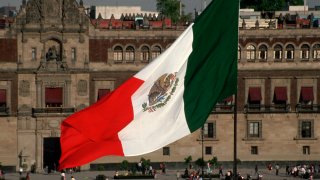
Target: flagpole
{"points": [[235, 116]]}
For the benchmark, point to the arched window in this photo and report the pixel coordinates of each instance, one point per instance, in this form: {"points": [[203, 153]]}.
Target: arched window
{"points": [[277, 52], [239, 53], [156, 51], [304, 52], [145, 54], [289, 53], [117, 54], [251, 52], [129, 53], [263, 52], [316, 51]]}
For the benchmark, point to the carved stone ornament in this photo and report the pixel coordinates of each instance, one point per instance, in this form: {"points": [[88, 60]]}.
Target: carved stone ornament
{"points": [[82, 88], [24, 89]]}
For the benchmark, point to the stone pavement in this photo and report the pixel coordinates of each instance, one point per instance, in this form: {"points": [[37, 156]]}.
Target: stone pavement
{"points": [[170, 175]]}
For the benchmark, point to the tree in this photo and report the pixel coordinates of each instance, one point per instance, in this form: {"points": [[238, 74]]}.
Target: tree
{"points": [[169, 8]]}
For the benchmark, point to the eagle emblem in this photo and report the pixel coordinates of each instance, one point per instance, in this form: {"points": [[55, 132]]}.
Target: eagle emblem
{"points": [[161, 92]]}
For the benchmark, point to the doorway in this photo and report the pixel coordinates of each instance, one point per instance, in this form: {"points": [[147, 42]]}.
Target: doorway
{"points": [[51, 153]]}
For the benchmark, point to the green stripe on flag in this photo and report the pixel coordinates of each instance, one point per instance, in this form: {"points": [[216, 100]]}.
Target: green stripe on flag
{"points": [[212, 66]]}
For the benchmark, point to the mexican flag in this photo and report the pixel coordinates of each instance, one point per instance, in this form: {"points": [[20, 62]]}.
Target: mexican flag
{"points": [[167, 100]]}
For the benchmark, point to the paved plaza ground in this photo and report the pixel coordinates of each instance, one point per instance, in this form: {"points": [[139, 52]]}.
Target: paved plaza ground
{"points": [[170, 175]]}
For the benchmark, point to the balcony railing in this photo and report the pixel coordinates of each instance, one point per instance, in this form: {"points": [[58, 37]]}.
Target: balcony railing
{"points": [[306, 108], [53, 111], [4, 111], [261, 108], [222, 108]]}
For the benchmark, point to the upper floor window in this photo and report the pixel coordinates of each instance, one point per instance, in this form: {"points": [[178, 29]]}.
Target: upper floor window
{"points": [[73, 54], [289, 53], [251, 52], [263, 52], [118, 54], [254, 129], [306, 129], [254, 97], [102, 93], [277, 53], [129, 53], [54, 97], [316, 51], [156, 51], [209, 130], [306, 95], [145, 53], [3, 98], [280, 95], [34, 53], [304, 52]]}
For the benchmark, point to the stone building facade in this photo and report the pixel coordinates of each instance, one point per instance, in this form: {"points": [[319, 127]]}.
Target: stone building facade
{"points": [[54, 62]]}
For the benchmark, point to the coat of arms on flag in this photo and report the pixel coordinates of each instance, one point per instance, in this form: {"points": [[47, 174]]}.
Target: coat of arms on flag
{"points": [[161, 92]]}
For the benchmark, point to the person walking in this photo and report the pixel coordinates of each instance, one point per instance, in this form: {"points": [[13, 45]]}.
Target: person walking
{"points": [[277, 169], [256, 170]]}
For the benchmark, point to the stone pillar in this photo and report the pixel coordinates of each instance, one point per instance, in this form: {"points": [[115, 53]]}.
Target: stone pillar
{"points": [[39, 93], [67, 94]]}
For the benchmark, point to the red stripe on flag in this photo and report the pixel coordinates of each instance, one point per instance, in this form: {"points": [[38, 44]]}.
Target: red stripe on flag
{"points": [[93, 132]]}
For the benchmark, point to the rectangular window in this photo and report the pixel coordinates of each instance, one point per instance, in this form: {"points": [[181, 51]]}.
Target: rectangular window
{"points": [[306, 95], [166, 151], [102, 93], [306, 129], [34, 53], [53, 97], [3, 98], [208, 150], [306, 150], [254, 97], [254, 150], [254, 129], [209, 130], [73, 54]]}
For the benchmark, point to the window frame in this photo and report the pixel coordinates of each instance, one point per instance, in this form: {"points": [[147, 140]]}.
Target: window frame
{"points": [[254, 150], [254, 129], [316, 51], [304, 52], [306, 150], [130, 54], [34, 53], [118, 54], [73, 54], [303, 127], [251, 52], [263, 52], [166, 151], [208, 150], [209, 130], [277, 52]]}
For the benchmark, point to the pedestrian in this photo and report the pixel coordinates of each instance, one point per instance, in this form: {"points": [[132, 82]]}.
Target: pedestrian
{"points": [[27, 176], [256, 170], [63, 176], [20, 171], [178, 175], [72, 178], [220, 171], [277, 169]]}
